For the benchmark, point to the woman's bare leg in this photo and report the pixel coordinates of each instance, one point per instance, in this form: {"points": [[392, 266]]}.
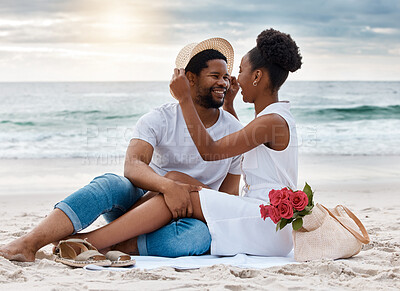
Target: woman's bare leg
{"points": [[130, 246], [54, 227], [146, 218]]}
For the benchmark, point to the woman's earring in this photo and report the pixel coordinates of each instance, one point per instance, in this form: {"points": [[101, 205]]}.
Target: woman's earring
{"points": [[255, 83]]}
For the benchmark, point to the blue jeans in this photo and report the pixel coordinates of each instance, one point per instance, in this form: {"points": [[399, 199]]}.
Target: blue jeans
{"points": [[111, 195]]}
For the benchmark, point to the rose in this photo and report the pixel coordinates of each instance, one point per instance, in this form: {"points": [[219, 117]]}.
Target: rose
{"points": [[276, 196], [285, 209], [265, 211], [299, 200], [271, 212]]}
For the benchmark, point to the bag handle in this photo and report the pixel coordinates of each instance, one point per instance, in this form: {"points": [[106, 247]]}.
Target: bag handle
{"points": [[362, 238]]}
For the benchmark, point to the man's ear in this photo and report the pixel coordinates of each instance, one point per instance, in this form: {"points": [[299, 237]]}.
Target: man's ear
{"points": [[191, 77]]}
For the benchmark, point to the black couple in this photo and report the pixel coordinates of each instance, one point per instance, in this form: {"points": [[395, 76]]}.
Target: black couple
{"points": [[180, 192]]}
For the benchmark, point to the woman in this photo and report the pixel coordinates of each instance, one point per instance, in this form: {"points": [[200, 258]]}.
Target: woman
{"points": [[268, 141], [269, 144]]}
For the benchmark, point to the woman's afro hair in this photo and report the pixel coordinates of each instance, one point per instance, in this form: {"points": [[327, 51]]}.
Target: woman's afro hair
{"points": [[280, 49]]}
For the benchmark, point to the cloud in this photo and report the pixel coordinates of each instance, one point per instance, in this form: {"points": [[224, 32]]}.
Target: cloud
{"points": [[395, 52], [174, 21], [89, 21], [321, 28], [382, 30], [343, 15]]}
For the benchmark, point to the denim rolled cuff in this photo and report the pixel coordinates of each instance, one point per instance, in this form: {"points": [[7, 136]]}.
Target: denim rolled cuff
{"points": [[64, 207], [142, 245]]}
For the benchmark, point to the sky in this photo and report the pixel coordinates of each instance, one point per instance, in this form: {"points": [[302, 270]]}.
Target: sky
{"points": [[138, 40]]}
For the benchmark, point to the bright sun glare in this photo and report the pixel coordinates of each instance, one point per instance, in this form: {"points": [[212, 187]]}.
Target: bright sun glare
{"points": [[117, 20], [118, 25]]}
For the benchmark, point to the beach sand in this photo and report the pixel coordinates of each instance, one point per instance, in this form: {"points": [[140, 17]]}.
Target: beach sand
{"points": [[368, 185]]}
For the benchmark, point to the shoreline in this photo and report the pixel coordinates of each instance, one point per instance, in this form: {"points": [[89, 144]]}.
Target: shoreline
{"points": [[62, 175]]}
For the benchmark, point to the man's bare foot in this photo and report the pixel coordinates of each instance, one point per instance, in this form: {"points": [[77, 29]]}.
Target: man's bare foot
{"points": [[17, 250]]}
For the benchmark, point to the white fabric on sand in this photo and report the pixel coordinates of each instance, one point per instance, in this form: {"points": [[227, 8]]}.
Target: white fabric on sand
{"points": [[195, 262]]}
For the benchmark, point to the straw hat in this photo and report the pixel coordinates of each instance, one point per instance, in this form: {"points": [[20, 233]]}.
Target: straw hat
{"points": [[216, 43]]}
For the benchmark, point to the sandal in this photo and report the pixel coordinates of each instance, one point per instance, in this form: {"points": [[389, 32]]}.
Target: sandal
{"points": [[119, 259], [89, 255]]}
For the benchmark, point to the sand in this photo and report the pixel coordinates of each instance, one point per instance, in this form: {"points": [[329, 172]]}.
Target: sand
{"points": [[369, 185]]}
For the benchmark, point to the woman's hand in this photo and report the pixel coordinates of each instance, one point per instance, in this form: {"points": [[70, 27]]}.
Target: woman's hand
{"points": [[230, 97], [179, 85], [232, 91]]}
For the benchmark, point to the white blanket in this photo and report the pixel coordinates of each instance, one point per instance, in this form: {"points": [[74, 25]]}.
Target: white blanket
{"points": [[195, 262]]}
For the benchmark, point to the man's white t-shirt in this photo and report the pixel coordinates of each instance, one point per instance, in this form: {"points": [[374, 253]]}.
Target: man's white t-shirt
{"points": [[165, 129]]}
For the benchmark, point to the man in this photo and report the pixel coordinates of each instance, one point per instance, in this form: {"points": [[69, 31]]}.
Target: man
{"points": [[161, 146]]}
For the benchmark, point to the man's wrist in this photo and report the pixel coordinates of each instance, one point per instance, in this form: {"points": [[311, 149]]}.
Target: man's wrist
{"points": [[166, 185]]}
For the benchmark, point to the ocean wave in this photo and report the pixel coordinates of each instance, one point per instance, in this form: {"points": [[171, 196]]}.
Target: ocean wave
{"points": [[65, 113], [25, 123], [364, 112], [128, 116], [95, 114]]}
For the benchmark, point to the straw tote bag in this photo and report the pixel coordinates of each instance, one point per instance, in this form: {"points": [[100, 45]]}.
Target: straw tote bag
{"points": [[329, 234]]}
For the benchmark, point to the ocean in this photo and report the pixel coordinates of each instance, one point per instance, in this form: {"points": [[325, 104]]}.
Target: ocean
{"points": [[96, 119]]}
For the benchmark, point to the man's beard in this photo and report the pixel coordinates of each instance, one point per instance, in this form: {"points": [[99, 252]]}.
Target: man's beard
{"points": [[206, 100]]}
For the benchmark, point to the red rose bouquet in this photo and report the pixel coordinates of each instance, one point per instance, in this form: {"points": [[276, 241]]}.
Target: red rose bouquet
{"points": [[288, 206]]}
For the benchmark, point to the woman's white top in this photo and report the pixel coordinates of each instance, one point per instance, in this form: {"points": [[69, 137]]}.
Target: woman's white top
{"points": [[263, 168], [235, 222]]}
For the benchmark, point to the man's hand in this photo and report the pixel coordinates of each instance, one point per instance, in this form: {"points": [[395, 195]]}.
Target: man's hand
{"points": [[232, 91], [179, 85], [177, 198]]}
